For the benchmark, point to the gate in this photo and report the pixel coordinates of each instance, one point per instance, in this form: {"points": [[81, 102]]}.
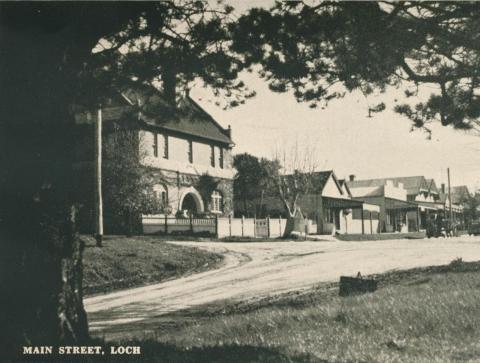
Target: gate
{"points": [[261, 228]]}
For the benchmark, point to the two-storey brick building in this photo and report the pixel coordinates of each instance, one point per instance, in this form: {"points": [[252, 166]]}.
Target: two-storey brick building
{"points": [[181, 146]]}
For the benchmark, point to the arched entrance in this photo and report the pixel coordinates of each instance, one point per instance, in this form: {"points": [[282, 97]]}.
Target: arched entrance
{"points": [[191, 201], [189, 204]]}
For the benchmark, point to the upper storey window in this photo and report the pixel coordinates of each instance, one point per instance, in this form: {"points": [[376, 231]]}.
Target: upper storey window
{"points": [[155, 145], [165, 146], [220, 158], [190, 151], [212, 156]]}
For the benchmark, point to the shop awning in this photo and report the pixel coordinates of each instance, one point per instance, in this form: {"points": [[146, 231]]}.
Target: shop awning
{"points": [[399, 204], [338, 203], [429, 206]]}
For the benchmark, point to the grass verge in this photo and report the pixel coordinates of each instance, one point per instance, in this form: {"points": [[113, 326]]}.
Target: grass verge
{"points": [[419, 315], [135, 261]]}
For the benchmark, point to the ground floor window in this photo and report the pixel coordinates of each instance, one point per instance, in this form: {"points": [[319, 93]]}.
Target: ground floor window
{"points": [[160, 192], [216, 202]]}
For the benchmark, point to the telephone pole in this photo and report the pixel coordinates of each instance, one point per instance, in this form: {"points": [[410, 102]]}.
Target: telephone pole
{"points": [[98, 179], [449, 199]]}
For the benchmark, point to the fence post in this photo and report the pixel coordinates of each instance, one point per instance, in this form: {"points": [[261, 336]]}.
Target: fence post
{"points": [[216, 226], [255, 226], [230, 224], [191, 223], [243, 223], [166, 223], [268, 227], [279, 226], [306, 227]]}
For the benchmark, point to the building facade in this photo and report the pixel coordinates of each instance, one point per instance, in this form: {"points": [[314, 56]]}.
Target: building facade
{"points": [[186, 150], [397, 213]]}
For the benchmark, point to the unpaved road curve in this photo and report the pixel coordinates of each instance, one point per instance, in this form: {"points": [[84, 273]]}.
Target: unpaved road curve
{"points": [[255, 270]]}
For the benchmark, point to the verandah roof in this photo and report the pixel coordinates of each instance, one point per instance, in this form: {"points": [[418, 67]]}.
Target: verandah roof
{"points": [[399, 204], [339, 203]]}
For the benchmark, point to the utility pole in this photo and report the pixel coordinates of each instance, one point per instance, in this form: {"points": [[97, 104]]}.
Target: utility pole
{"points": [[98, 179], [449, 199]]}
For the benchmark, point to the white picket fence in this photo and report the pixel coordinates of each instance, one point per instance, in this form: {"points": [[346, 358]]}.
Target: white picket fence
{"points": [[219, 227]]}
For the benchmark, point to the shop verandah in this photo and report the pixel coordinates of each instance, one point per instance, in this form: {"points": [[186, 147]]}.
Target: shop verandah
{"points": [[347, 216], [400, 216]]}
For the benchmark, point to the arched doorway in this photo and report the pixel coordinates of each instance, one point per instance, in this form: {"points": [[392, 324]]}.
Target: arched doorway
{"points": [[189, 204]]}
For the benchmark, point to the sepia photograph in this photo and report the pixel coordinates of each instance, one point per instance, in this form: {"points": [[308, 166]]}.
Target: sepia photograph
{"points": [[239, 181]]}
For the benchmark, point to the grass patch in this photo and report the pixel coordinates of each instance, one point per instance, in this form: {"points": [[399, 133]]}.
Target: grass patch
{"points": [[419, 315], [135, 261]]}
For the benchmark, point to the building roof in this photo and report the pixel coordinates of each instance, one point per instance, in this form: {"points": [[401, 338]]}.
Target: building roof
{"points": [[188, 118], [459, 194], [343, 183], [321, 178], [412, 184]]}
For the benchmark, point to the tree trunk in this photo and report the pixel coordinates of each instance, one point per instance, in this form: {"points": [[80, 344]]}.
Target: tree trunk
{"points": [[41, 256]]}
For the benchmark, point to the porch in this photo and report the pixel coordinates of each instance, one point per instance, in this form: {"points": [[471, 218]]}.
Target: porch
{"points": [[401, 216]]}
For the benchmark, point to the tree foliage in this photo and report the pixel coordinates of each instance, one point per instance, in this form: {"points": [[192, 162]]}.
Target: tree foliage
{"points": [[321, 49], [251, 181], [129, 183]]}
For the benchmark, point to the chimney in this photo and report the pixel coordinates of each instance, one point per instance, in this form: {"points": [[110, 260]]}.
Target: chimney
{"points": [[351, 177], [228, 131], [169, 80], [443, 188]]}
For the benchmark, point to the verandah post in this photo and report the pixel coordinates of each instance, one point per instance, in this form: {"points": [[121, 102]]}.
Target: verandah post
{"points": [[363, 227], [166, 223], [191, 223], [371, 224], [216, 226]]}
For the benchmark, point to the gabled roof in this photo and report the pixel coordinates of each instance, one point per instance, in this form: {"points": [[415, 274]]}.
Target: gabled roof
{"points": [[459, 194], [432, 187], [321, 178], [343, 183], [188, 118]]}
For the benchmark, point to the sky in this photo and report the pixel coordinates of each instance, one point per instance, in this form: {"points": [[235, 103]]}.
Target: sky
{"points": [[343, 137]]}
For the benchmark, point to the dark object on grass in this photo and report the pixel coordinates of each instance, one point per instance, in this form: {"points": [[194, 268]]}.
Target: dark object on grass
{"points": [[356, 285]]}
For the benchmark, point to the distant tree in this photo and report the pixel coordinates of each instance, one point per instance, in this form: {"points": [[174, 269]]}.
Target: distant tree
{"points": [[291, 176], [129, 190], [471, 204], [321, 49], [250, 181]]}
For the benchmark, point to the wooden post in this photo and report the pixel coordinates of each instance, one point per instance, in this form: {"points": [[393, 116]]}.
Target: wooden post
{"points": [[280, 226], [255, 226], [363, 227], [216, 226], [191, 223], [449, 199], [230, 224], [268, 227], [98, 179], [371, 224], [243, 223], [418, 220], [166, 224]]}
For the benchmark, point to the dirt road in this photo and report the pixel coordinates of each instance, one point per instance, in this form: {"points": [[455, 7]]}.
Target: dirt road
{"points": [[256, 270]]}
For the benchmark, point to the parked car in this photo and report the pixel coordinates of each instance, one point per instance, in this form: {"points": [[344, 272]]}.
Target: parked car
{"points": [[474, 228]]}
